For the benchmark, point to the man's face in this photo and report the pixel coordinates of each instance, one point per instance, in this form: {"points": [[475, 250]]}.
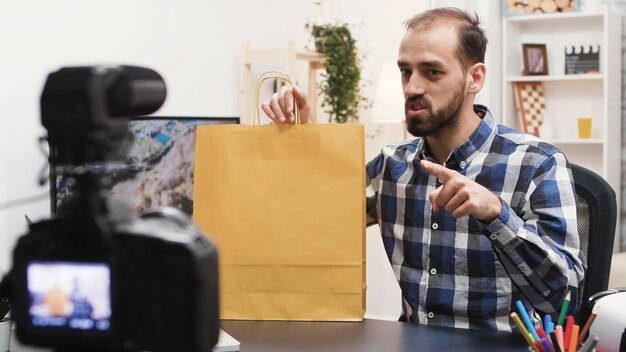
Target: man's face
{"points": [[433, 80]]}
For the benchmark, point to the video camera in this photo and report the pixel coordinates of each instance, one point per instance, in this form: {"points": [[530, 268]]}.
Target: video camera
{"points": [[96, 277]]}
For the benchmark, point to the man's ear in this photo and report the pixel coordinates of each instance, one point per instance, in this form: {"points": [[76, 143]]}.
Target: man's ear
{"points": [[476, 75]]}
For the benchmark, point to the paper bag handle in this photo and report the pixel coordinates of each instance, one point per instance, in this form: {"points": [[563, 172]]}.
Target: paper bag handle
{"points": [[263, 77]]}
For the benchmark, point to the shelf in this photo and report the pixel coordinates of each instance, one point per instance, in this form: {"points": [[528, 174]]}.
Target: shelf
{"points": [[584, 77], [555, 17], [569, 97]]}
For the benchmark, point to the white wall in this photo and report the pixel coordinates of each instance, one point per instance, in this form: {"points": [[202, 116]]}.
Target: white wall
{"points": [[195, 45]]}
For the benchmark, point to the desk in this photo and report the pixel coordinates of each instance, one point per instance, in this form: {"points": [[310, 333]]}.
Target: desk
{"points": [[368, 336]]}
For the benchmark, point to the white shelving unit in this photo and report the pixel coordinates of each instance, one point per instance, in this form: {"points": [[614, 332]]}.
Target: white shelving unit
{"points": [[568, 97]]}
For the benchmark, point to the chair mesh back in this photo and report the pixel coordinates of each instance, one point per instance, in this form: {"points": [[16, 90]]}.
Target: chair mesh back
{"points": [[583, 212], [596, 209]]}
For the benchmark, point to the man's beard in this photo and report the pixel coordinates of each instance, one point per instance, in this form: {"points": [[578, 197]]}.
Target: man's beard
{"points": [[435, 121]]}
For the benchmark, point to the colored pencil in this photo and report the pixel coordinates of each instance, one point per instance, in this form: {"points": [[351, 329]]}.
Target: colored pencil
{"points": [[547, 320], [573, 343], [564, 308], [549, 327], [522, 329], [541, 333], [591, 342], [524, 315], [555, 342], [558, 331], [567, 334], [547, 345], [539, 346], [585, 328]]}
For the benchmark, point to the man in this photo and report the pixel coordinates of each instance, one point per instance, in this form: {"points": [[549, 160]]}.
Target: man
{"points": [[474, 216]]}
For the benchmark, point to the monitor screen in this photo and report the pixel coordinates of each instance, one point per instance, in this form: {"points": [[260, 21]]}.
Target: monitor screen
{"points": [[155, 169]]}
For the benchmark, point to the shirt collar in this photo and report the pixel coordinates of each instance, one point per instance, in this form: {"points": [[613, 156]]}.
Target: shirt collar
{"points": [[463, 154]]}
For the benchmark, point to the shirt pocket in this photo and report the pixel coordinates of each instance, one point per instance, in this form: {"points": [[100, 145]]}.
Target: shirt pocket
{"points": [[477, 265]]}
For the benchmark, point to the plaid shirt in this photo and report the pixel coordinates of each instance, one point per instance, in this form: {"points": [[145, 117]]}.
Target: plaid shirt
{"points": [[465, 273]]}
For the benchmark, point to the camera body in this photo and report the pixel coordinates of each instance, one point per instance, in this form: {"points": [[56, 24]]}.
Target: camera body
{"points": [[150, 283], [96, 276]]}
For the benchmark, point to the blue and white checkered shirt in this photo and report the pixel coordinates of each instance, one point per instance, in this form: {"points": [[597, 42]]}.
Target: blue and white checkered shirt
{"points": [[468, 274]]}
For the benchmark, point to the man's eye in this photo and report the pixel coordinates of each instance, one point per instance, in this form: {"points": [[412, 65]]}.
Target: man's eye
{"points": [[434, 72], [405, 72]]}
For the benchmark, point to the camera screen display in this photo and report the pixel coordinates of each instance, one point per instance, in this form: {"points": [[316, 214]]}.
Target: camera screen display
{"points": [[73, 295]]}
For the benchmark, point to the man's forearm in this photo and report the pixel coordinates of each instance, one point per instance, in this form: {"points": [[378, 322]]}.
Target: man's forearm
{"points": [[543, 270]]}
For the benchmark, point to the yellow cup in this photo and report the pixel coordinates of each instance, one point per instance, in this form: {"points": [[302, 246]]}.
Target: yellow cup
{"points": [[584, 127]]}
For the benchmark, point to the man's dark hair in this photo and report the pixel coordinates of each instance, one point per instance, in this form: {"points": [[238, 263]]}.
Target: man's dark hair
{"points": [[472, 41]]}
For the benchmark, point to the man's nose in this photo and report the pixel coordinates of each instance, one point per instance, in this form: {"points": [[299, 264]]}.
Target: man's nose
{"points": [[414, 86]]}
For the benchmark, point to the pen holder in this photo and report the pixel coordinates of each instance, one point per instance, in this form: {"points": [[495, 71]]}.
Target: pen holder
{"points": [[5, 334]]}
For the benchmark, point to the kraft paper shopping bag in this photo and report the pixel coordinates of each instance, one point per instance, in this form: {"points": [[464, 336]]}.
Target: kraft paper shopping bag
{"points": [[285, 205]]}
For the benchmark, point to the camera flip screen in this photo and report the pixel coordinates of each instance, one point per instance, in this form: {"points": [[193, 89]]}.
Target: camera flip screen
{"points": [[72, 295]]}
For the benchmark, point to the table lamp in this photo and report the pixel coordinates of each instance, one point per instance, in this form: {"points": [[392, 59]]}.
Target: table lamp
{"points": [[388, 106]]}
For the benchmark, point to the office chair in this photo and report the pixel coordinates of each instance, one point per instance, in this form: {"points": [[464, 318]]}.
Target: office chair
{"points": [[596, 209]]}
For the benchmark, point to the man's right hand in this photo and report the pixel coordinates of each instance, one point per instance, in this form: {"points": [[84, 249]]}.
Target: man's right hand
{"points": [[280, 108]]}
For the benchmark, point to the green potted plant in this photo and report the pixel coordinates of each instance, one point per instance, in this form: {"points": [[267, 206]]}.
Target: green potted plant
{"points": [[340, 84]]}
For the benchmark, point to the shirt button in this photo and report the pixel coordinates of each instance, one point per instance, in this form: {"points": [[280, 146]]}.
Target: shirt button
{"points": [[433, 271], [431, 315], [435, 226], [493, 236], [524, 269], [462, 164]]}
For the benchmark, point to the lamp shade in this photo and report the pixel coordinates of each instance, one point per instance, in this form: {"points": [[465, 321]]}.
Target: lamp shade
{"points": [[388, 105]]}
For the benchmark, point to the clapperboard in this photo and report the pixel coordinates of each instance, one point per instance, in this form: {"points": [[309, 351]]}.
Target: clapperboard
{"points": [[582, 59]]}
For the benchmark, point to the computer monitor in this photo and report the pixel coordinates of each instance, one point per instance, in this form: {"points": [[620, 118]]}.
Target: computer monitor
{"points": [[155, 169]]}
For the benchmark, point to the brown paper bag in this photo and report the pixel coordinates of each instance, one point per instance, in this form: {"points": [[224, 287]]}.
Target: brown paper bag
{"points": [[285, 205]]}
